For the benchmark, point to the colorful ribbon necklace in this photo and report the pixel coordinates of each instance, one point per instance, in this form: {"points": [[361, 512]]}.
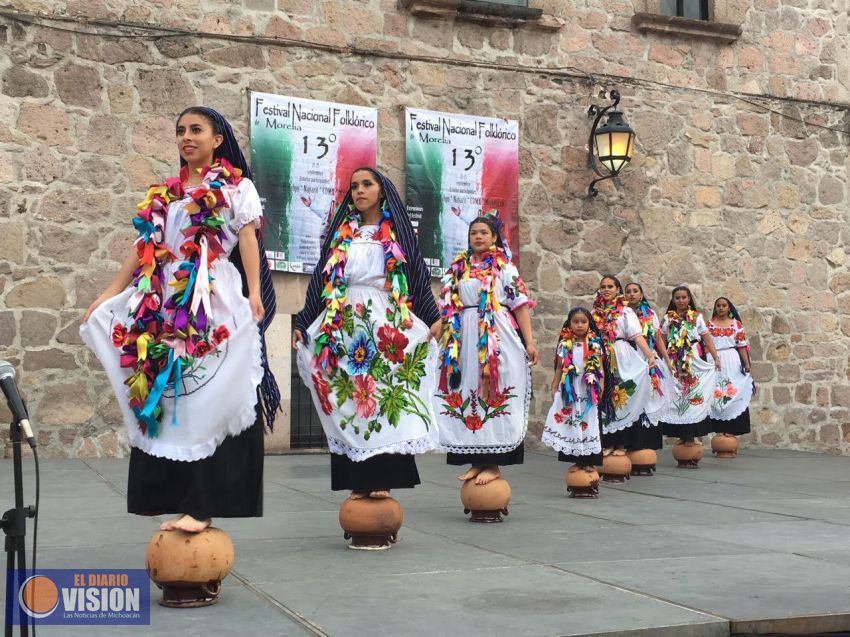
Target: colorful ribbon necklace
{"points": [[328, 344], [167, 337], [488, 272], [593, 370], [679, 342]]}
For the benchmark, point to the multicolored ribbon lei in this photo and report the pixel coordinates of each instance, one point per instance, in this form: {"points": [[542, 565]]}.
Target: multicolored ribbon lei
{"points": [[593, 369], [328, 344], [488, 271], [167, 335], [645, 315], [679, 344]]}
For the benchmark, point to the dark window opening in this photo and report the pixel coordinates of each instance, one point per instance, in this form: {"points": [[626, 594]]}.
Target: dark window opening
{"points": [[692, 9]]}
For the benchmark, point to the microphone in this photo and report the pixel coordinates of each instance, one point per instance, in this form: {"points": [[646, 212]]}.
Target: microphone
{"points": [[13, 398]]}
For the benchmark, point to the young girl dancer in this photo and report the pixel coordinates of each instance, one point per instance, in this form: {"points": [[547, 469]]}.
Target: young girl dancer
{"points": [[648, 434], [177, 333], [572, 425], [485, 380], [363, 342], [730, 414], [684, 332], [627, 383]]}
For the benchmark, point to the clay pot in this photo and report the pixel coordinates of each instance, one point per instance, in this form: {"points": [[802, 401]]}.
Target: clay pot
{"points": [[687, 454], [616, 468], [582, 482], [724, 446], [189, 567], [643, 461], [486, 502], [371, 523]]}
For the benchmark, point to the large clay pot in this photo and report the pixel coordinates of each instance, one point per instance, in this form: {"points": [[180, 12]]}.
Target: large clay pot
{"points": [[616, 468], [724, 446], [687, 454], [189, 567], [582, 482], [371, 523], [643, 461], [486, 502]]}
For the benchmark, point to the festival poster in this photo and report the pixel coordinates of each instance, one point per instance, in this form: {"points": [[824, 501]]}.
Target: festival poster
{"points": [[302, 155], [456, 167]]}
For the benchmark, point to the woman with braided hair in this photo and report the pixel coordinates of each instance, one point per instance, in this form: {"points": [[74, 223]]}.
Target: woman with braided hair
{"points": [[730, 414], [179, 332], [627, 381], [485, 379], [685, 334], [363, 342]]}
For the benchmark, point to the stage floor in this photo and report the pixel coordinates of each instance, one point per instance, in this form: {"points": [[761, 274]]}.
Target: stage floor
{"points": [[758, 544]]}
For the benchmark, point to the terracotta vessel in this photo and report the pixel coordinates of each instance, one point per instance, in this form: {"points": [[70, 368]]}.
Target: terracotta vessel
{"points": [[189, 567], [371, 523], [582, 482], [724, 446], [486, 502], [616, 468], [687, 454], [643, 461]]}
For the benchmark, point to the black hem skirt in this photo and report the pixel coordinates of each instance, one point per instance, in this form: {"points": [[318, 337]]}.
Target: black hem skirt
{"points": [[516, 456], [619, 438], [592, 460], [737, 426], [384, 471], [643, 437], [227, 484], [686, 432]]}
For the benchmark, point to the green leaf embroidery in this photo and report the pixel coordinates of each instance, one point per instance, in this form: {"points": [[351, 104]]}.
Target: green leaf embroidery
{"points": [[392, 402], [412, 369], [343, 386]]}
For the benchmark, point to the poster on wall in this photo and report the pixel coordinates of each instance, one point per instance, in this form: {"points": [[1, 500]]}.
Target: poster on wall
{"points": [[456, 167], [302, 155]]}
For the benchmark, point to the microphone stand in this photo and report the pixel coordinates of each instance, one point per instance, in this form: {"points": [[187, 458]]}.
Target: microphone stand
{"points": [[14, 525]]}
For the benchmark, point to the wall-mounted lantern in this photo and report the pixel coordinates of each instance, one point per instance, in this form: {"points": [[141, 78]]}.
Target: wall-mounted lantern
{"points": [[611, 144]]}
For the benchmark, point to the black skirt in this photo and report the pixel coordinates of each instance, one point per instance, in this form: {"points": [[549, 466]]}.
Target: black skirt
{"points": [[227, 484], [686, 432], [384, 471], [516, 456], [619, 438], [592, 460], [737, 427], [642, 437]]}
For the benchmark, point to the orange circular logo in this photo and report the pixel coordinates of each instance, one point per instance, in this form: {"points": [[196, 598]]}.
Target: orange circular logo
{"points": [[39, 596]]}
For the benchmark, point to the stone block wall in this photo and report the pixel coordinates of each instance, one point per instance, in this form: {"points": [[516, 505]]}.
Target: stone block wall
{"points": [[738, 185]]}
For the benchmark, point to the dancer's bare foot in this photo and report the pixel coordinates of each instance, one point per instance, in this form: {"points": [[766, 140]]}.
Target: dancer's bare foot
{"points": [[473, 471], [358, 495], [619, 451], [488, 474], [189, 524], [168, 525], [380, 494], [606, 452], [588, 468], [574, 468]]}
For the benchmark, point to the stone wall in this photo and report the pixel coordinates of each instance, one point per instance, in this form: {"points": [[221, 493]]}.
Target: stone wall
{"points": [[738, 186]]}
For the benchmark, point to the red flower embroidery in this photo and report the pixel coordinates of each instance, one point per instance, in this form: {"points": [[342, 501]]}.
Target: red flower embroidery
{"points": [[119, 333], [498, 400], [202, 348], [321, 386], [454, 400], [473, 422], [364, 392], [220, 334], [391, 342], [559, 417]]}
